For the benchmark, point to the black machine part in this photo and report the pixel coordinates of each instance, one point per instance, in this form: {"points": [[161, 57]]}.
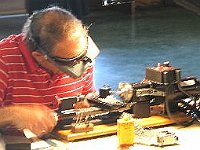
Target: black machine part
{"points": [[163, 85], [182, 96], [186, 100], [104, 91]]}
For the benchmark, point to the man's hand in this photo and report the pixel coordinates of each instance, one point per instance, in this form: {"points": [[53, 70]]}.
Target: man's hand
{"points": [[92, 95], [81, 104], [38, 118], [85, 103]]}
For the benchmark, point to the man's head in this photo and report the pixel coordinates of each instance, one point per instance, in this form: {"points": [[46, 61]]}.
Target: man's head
{"points": [[50, 29], [57, 35]]}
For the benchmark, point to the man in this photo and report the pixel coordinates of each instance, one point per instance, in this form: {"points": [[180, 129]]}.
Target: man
{"points": [[49, 60]]}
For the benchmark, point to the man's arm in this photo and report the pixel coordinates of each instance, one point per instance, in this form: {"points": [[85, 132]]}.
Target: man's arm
{"points": [[36, 117], [6, 115]]}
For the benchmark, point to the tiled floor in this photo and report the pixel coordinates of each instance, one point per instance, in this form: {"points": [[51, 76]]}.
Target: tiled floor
{"points": [[130, 43]]}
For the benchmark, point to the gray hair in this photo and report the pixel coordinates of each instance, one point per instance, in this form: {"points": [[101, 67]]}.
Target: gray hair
{"points": [[43, 29]]}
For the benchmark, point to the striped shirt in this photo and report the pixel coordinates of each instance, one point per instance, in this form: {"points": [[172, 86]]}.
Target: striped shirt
{"points": [[22, 80]]}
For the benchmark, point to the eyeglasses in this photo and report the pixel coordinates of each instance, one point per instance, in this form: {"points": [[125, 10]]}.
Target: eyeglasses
{"points": [[71, 61]]}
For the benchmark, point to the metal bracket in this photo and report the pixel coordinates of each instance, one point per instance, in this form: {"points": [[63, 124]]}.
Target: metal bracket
{"points": [[149, 92]]}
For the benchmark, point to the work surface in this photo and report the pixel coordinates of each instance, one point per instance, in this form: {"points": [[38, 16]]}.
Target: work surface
{"points": [[189, 138]]}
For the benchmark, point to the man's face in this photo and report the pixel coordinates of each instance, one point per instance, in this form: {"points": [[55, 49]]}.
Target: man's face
{"points": [[68, 57], [70, 49]]}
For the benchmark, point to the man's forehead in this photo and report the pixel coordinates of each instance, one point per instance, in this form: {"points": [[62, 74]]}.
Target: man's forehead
{"points": [[69, 49]]}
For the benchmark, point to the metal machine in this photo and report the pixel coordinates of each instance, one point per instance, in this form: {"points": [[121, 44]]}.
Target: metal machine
{"points": [[162, 92]]}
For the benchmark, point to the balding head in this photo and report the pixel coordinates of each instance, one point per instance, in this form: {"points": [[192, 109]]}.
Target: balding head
{"points": [[52, 29]]}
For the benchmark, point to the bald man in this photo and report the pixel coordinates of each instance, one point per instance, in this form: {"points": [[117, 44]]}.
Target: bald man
{"points": [[51, 59]]}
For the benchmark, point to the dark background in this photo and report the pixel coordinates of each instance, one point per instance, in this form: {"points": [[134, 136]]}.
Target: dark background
{"points": [[130, 42], [78, 7]]}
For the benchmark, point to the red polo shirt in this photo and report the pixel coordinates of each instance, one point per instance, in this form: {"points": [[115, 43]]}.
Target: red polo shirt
{"points": [[22, 80]]}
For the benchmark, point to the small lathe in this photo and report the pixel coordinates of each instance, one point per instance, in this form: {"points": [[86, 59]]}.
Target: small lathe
{"points": [[162, 92]]}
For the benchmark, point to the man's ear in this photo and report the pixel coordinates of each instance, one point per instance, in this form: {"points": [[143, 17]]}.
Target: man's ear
{"points": [[43, 61], [38, 56]]}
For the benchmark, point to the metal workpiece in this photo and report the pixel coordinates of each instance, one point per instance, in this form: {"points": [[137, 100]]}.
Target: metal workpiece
{"points": [[165, 138]]}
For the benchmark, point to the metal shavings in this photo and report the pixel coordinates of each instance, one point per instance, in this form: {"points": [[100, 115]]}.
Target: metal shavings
{"points": [[110, 99], [144, 135], [148, 136]]}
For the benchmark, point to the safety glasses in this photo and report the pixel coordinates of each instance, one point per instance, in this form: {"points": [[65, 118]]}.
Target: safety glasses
{"points": [[71, 61]]}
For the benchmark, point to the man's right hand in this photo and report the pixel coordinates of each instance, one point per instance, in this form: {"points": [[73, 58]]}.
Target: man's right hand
{"points": [[38, 118]]}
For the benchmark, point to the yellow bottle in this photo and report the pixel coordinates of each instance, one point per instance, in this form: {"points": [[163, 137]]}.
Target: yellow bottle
{"points": [[125, 132]]}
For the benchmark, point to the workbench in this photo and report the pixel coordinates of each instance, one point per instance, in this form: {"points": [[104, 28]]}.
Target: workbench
{"points": [[189, 138]]}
